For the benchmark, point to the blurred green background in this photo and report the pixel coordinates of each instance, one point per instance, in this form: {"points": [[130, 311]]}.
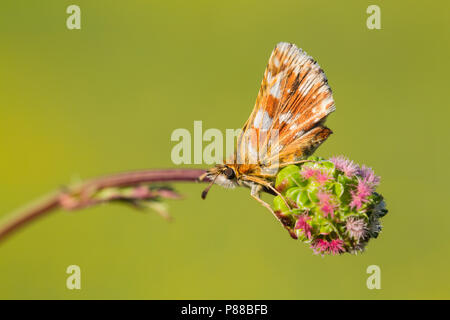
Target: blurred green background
{"points": [[75, 104]]}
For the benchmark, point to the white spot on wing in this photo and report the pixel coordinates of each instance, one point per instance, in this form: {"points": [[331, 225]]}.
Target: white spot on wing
{"points": [[258, 119], [275, 89], [299, 134], [252, 152], [269, 77], [285, 117], [276, 62], [306, 86], [266, 122]]}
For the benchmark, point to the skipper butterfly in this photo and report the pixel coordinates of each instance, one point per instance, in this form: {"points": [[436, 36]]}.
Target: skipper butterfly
{"points": [[285, 126]]}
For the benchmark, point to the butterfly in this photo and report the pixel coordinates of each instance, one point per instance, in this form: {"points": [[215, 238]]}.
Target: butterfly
{"points": [[285, 126]]}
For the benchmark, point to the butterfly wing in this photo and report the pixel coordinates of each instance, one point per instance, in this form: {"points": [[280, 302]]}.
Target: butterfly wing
{"points": [[292, 104]]}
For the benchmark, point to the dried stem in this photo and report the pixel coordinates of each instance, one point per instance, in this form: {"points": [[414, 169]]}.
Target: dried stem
{"points": [[56, 200]]}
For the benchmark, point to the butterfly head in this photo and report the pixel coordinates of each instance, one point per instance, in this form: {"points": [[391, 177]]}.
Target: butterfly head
{"points": [[223, 175]]}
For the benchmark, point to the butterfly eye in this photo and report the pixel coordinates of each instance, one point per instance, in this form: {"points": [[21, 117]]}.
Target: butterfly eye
{"points": [[229, 173]]}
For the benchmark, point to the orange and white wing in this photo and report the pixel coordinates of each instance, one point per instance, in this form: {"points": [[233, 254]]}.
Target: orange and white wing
{"points": [[292, 104]]}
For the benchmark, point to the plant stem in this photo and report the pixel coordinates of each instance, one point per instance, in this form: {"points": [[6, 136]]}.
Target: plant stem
{"points": [[14, 221]]}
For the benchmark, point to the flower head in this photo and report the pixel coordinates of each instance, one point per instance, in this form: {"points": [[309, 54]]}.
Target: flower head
{"points": [[361, 194], [364, 189], [357, 201], [334, 247], [320, 246], [308, 173], [302, 224], [356, 228], [335, 206], [348, 167], [322, 177], [325, 203], [368, 176]]}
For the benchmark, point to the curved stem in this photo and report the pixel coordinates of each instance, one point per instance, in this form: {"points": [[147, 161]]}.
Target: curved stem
{"points": [[14, 221]]}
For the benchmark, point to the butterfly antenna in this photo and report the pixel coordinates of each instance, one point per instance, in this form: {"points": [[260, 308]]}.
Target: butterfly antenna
{"points": [[205, 192]]}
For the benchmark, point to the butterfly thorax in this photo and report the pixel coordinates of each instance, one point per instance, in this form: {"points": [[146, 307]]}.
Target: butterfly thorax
{"points": [[230, 175]]}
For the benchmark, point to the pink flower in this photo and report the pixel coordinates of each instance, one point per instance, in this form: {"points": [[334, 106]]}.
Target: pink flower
{"points": [[320, 246], [322, 177], [323, 196], [356, 228], [348, 167], [336, 247], [357, 200], [368, 176], [327, 209], [325, 203], [308, 173], [363, 191], [330, 247], [302, 224]]}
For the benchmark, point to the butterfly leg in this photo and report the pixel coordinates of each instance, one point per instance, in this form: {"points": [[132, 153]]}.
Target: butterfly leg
{"points": [[255, 194], [263, 183], [286, 202]]}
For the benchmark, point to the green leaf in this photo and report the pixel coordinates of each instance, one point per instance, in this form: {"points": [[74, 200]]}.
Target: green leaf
{"points": [[312, 195], [328, 165], [279, 205], [288, 177], [343, 179], [293, 193], [299, 196], [338, 189], [303, 198], [326, 228]]}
